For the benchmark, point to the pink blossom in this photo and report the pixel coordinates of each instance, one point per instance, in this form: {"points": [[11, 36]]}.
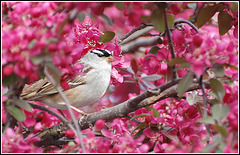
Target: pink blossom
{"points": [[198, 67], [175, 8], [197, 40], [8, 70], [100, 124], [13, 142], [69, 133]]}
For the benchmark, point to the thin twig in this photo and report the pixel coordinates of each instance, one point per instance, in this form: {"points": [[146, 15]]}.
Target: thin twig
{"points": [[204, 102], [170, 42], [134, 120], [187, 22], [204, 97], [36, 106], [50, 78], [142, 26]]}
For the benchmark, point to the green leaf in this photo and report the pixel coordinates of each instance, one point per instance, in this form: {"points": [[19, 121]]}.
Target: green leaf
{"points": [[220, 111], [6, 92], [220, 7], [154, 50], [81, 16], [54, 72], [140, 126], [141, 115], [231, 66], [62, 26], [207, 120], [214, 101], [120, 5], [192, 97], [9, 80], [52, 40], [206, 139], [108, 36], [184, 84], [170, 19], [159, 41], [217, 88], [234, 6], [199, 108], [224, 22], [184, 65], [212, 146], [37, 60], [23, 104], [158, 20], [107, 19], [177, 61], [32, 44], [221, 129], [218, 70], [17, 113], [153, 77], [146, 19], [206, 14], [139, 133], [155, 112]]}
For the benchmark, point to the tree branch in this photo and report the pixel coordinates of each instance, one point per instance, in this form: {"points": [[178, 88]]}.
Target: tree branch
{"points": [[147, 98]]}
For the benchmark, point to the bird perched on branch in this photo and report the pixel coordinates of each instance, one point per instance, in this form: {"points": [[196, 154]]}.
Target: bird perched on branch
{"points": [[83, 90]]}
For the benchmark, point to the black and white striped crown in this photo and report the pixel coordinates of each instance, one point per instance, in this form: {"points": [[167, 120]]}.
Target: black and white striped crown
{"points": [[102, 52]]}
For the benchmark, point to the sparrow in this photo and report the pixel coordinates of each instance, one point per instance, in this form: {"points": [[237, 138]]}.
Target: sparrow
{"points": [[84, 89]]}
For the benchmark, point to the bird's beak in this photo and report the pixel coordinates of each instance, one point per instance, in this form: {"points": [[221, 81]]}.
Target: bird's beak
{"points": [[110, 59]]}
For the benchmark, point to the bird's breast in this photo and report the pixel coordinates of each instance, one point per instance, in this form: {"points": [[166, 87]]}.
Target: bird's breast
{"points": [[96, 85]]}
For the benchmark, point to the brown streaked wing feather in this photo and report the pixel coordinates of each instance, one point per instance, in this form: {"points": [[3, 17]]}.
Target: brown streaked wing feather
{"points": [[43, 88], [32, 92]]}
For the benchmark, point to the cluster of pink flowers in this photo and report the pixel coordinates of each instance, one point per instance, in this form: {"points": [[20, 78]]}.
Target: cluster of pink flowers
{"points": [[14, 142], [26, 37], [205, 48], [118, 139]]}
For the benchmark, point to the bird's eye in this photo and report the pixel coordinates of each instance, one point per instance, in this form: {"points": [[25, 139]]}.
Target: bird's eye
{"points": [[100, 55]]}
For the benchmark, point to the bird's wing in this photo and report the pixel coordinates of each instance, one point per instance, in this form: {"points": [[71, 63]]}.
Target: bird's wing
{"points": [[43, 88]]}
